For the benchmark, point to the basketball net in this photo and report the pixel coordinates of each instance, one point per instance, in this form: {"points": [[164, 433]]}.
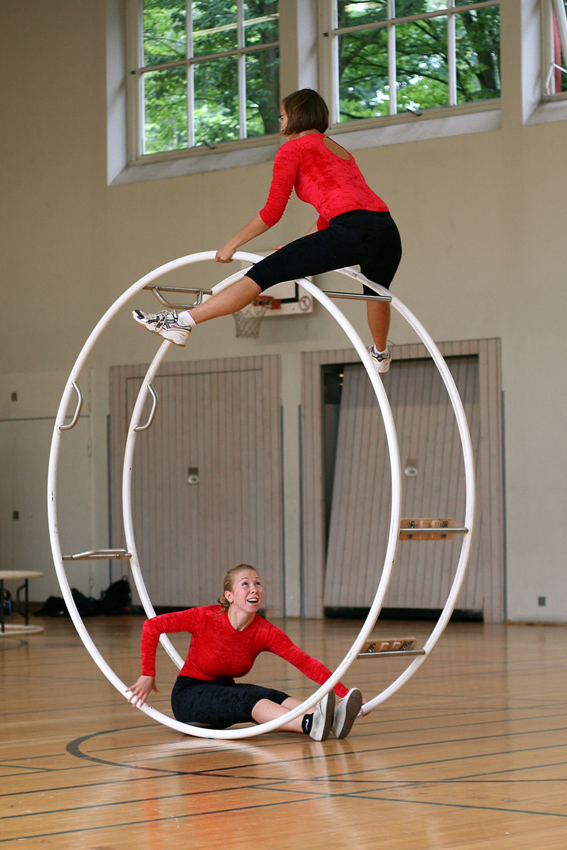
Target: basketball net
{"points": [[249, 319]]}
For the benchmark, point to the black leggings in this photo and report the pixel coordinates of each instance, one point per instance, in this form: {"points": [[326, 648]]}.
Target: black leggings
{"points": [[218, 704], [361, 237]]}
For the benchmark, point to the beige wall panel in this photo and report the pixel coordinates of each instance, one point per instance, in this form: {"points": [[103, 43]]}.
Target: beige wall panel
{"points": [[481, 217], [24, 536]]}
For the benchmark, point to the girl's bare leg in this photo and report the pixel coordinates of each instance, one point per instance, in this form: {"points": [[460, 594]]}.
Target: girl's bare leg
{"points": [[379, 322], [230, 300], [244, 291], [265, 710]]}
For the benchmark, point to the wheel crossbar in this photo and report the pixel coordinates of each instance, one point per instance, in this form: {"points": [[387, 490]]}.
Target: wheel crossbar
{"points": [[355, 296], [200, 293], [98, 555], [394, 654]]}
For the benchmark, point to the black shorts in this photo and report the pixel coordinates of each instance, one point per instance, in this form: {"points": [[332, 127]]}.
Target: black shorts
{"points": [[218, 704], [361, 237]]}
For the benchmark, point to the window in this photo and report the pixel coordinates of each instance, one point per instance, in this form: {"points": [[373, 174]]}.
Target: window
{"points": [[555, 47], [207, 72], [204, 75], [396, 56]]}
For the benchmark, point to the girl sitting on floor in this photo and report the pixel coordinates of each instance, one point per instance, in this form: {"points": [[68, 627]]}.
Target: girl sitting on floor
{"points": [[226, 639]]}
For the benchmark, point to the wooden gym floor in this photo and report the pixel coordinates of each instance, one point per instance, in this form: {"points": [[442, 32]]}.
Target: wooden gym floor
{"points": [[471, 754]]}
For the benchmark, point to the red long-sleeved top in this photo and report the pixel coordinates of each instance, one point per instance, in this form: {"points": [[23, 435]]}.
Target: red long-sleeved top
{"points": [[218, 652], [321, 178]]}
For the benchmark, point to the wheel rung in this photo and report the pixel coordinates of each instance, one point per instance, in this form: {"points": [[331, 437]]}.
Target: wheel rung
{"points": [[390, 646], [194, 290], [355, 296], [430, 533], [397, 652], [158, 289], [99, 555], [429, 529]]}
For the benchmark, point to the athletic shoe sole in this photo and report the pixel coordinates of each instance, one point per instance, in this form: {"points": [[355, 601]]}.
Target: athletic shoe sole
{"points": [[382, 366], [317, 733], [176, 336], [346, 713]]}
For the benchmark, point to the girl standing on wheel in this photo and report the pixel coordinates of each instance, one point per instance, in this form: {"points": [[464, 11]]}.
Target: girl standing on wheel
{"points": [[354, 228]]}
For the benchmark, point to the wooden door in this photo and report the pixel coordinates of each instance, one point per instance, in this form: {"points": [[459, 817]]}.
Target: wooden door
{"points": [[412, 389], [433, 486], [206, 486]]}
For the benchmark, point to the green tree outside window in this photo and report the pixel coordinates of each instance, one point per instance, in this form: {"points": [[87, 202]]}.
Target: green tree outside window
{"points": [[209, 72], [414, 55]]}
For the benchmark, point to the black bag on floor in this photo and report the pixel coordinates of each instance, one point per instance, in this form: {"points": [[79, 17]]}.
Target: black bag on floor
{"points": [[54, 606], [85, 606], [116, 599]]}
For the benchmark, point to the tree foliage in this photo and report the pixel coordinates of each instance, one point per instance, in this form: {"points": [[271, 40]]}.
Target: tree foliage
{"points": [[208, 90], [421, 52], [212, 95]]}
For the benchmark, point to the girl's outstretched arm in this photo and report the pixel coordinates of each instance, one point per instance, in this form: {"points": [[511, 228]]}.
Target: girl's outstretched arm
{"points": [[254, 228], [141, 690]]}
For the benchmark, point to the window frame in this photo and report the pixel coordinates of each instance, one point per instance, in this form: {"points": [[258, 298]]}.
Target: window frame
{"points": [[548, 7], [136, 71], [329, 63], [303, 62]]}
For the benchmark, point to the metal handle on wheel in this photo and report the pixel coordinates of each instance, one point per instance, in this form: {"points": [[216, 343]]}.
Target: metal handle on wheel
{"points": [[148, 424], [77, 413], [157, 290]]}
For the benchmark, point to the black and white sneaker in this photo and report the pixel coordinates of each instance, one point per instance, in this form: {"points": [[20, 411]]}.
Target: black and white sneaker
{"points": [[166, 324], [380, 359], [323, 718], [346, 713]]}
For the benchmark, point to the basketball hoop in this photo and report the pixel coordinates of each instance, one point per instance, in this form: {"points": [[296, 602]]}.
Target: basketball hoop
{"points": [[249, 319]]}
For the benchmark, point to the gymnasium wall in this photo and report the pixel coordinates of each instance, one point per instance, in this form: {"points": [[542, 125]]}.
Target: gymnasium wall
{"points": [[482, 218]]}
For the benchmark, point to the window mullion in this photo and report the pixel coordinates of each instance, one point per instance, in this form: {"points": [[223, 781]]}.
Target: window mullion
{"points": [[330, 24], [141, 117], [393, 106], [335, 71], [190, 74], [548, 46], [141, 112], [241, 70], [452, 56]]}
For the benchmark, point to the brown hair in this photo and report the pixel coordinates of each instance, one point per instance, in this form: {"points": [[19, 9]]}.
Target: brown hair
{"points": [[305, 110], [228, 584]]}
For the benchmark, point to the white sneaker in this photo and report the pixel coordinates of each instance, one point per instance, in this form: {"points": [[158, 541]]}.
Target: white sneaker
{"points": [[166, 324], [381, 360], [346, 713], [323, 718]]}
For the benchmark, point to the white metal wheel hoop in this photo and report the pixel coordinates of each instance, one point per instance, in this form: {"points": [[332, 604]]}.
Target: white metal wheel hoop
{"points": [[470, 490], [395, 512], [394, 519]]}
